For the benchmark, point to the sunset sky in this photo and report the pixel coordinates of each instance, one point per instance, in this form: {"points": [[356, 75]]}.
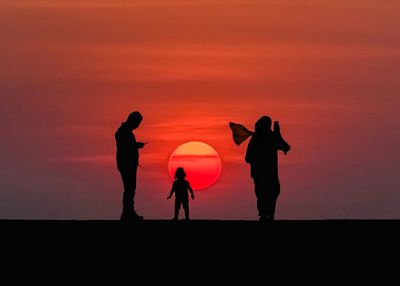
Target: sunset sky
{"points": [[71, 71]]}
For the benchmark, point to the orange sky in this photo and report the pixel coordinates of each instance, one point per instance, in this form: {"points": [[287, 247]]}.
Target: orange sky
{"points": [[71, 71]]}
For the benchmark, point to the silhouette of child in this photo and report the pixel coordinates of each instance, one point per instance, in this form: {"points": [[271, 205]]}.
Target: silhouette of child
{"points": [[181, 187]]}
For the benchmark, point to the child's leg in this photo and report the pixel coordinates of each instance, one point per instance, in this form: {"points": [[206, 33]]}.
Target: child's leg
{"points": [[177, 208], [186, 208]]}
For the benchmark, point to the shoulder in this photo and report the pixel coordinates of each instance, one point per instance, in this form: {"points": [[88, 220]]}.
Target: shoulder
{"points": [[252, 143], [123, 133], [118, 132], [121, 129], [254, 139]]}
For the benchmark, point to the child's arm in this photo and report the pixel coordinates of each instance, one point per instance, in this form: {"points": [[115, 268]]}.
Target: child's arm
{"points": [[190, 190], [172, 192]]}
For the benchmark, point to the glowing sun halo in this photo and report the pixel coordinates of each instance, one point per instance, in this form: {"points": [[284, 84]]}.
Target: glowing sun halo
{"points": [[201, 162]]}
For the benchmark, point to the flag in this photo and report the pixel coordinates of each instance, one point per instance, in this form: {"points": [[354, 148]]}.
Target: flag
{"points": [[239, 133]]}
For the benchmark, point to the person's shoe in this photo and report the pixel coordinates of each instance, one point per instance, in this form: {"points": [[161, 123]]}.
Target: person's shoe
{"points": [[271, 218], [124, 217], [175, 219], [136, 216], [263, 218]]}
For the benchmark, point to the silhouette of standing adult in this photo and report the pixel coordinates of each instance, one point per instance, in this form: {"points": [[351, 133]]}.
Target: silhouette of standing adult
{"points": [[127, 163], [262, 155]]}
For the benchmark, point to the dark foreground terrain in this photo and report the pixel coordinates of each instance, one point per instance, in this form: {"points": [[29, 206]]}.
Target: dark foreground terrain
{"points": [[210, 244]]}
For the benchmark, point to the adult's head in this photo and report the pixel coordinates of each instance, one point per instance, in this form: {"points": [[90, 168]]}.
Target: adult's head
{"points": [[263, 125], [134, 120]]}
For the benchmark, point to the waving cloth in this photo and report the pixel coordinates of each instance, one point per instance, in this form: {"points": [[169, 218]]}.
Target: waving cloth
{"points": [[239, 133]]}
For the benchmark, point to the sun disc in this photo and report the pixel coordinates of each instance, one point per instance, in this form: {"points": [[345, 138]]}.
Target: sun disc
{"points": [[202, 164]]}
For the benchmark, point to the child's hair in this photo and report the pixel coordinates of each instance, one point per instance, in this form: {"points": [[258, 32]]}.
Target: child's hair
{"points": [[180, 173]]}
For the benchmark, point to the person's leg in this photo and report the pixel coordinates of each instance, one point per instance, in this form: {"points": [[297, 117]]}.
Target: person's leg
{"points": [[177, 208], [185, 204], [276, 195], [273, 207], [269, 204], [260, 194], [133, 182], [129, 182], [127, 206], [271, 200]]}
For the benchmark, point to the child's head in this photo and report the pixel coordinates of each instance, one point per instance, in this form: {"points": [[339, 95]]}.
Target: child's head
{"points": [[180, 174]]}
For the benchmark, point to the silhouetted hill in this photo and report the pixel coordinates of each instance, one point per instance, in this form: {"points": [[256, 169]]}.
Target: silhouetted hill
{"points": [[162, 243]]}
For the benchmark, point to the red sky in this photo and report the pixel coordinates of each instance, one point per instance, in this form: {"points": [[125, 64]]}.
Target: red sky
{"points": [[71, 71]]}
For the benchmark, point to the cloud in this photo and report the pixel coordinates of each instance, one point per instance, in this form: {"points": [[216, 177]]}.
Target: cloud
{"points": [[89, 3], [93, 160], [194, 157]]}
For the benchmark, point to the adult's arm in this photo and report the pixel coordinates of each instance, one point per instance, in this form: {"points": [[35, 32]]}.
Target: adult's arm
{"points": [[250, 152], [279, 142]]}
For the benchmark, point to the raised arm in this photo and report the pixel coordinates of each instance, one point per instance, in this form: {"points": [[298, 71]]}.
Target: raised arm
{"points": [[279, 142]]}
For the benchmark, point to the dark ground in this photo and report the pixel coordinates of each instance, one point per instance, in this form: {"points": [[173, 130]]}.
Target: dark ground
{"points": [[331, 245]]}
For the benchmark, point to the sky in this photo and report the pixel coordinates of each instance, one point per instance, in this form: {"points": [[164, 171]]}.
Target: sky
{"points": [[72, 71]]}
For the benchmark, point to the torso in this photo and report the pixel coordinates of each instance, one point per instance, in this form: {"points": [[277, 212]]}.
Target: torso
{"points": [[265, 164], [127, 152], [181, 189]]}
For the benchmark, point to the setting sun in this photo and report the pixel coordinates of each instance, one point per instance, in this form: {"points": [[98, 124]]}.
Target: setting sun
{"points": [[201, 162]]}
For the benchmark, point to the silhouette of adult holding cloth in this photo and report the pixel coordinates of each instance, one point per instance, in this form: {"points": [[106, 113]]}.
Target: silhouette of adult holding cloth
{"points": [[127, 163], [262, 155]]}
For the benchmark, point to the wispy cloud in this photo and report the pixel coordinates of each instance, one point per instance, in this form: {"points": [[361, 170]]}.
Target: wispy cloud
{"points": [[158, 3], [89, 3], [95, 159], [195, 157]]}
